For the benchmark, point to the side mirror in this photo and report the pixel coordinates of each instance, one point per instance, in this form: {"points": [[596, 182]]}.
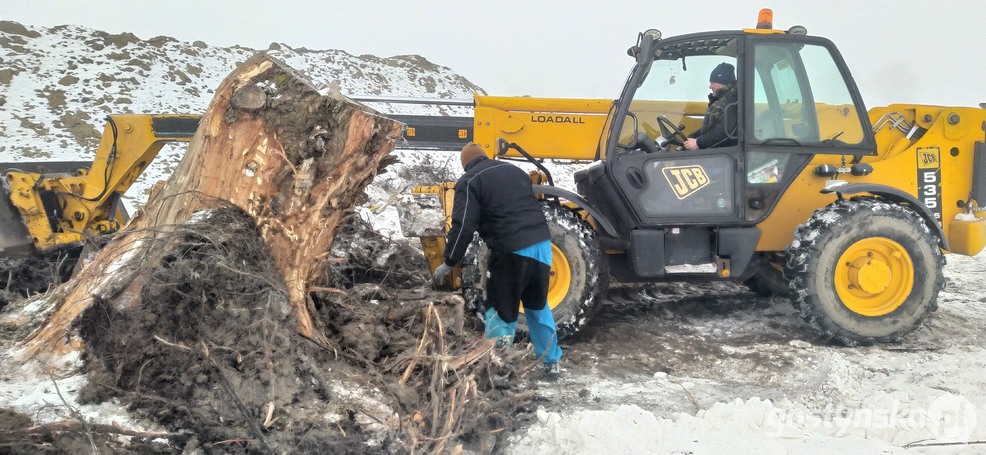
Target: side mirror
{"points": [[636, 126], [502, 146], [646, 43]]}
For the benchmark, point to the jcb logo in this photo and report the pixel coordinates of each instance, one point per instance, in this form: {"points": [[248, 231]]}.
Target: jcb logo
{"points": [[928, 158], [686, 180]]}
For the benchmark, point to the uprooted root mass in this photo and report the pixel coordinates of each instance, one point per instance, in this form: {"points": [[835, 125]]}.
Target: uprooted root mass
{"points": [[211, 353]]}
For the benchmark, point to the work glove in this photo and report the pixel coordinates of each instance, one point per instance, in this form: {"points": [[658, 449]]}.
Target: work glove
{"points": [[440, 274]]}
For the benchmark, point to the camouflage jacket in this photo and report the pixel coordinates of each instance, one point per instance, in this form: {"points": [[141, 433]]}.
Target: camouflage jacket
{"points": [[713, 132]]}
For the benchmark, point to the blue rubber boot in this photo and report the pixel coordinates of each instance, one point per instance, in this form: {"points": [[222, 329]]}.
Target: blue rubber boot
{"points": [[496, 328], [541, 324]]}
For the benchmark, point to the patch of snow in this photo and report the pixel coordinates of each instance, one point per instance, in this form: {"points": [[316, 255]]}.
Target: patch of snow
{"points": [[200, 216], [736, 427], [833, 184], [374, 413], [691, 268], [34, 390], [966, 217], [754, 426]]}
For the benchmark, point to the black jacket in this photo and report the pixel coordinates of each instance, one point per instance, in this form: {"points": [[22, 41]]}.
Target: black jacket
{"points": [[495, 198], [713, 132]]}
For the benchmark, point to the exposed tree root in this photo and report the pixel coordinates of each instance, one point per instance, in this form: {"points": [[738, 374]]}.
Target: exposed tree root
{"points": [[212, 352]]}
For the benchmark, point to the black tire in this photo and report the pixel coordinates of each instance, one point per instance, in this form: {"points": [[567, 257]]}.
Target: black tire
{"points": [[851, 266], [768, 280], [587, 265]]}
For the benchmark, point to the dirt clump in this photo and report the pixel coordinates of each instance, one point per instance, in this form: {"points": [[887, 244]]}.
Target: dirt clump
{"points": [[362, 255], [24, 276], [20, 435]]}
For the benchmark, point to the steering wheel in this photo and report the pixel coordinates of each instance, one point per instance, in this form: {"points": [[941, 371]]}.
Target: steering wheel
{"points": [[671, 132]]}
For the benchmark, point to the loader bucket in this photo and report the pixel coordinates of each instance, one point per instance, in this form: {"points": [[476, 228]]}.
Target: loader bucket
{"points": [[14, 238]]}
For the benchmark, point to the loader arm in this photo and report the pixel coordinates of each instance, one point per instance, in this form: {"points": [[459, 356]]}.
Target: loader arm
{"points": [[53, 206]]}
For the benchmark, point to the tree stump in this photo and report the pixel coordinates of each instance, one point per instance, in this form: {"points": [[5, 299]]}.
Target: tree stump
{"points": [[269, 143]]}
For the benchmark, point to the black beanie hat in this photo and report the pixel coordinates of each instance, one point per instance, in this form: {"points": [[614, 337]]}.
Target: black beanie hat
{"points": [[723, 74]]}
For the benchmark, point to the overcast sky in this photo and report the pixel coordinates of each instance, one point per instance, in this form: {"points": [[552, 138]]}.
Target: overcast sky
{"points": [[899, 51]]}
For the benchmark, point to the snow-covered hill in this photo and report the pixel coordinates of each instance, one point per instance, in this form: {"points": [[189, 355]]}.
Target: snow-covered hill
{"points": [[57, 85]]}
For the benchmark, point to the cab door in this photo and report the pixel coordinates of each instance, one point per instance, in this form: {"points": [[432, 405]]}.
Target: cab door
{"points": [[680, 187], [803, 104]]}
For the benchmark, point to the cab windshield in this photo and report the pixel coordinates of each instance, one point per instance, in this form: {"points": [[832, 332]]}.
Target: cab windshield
{"points": [[676, 86]]}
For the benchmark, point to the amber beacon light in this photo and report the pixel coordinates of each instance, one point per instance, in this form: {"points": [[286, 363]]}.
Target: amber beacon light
{"points": [[765, 19]]}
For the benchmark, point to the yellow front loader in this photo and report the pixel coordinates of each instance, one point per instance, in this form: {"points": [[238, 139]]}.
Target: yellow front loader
{"points": [[52, 206]]}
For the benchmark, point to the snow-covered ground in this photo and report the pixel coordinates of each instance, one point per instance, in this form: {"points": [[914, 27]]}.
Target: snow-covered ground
{"points": [[747, 378], [704, 369], [710, 368]]}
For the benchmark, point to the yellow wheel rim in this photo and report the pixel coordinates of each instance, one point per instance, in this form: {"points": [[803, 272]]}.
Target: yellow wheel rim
{"points": [[874, 276], [560, 280]]}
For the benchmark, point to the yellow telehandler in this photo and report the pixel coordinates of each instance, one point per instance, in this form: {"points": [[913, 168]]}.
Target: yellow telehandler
{"points": [[846, 210]]}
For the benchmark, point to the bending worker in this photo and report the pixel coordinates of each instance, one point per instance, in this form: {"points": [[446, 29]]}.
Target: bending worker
{"points": [[718, 129], [496, 199]]}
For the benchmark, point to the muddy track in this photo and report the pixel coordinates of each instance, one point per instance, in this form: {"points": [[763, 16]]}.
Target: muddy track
{"points": [[674, 347], [683, 328]]}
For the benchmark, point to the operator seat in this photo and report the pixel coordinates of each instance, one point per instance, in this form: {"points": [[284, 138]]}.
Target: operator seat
{"points": [[768, 124]]}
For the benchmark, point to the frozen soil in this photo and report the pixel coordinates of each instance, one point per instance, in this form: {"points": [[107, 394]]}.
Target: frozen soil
{"points": [[21, 277], [19, 434]]}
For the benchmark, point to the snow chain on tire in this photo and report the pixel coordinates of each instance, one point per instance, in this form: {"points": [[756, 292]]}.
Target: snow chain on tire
{"points": [[863, 271], [588, 275]]}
